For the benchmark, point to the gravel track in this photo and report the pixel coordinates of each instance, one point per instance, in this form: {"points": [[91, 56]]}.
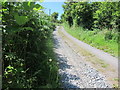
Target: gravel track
{"points": [[74, 71]]}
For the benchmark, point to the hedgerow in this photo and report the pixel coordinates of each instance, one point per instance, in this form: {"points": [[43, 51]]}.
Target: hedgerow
{"points": [[28, 58]]}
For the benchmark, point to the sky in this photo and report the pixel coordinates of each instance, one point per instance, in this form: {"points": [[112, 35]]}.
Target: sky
{"points": [[53, 7]]}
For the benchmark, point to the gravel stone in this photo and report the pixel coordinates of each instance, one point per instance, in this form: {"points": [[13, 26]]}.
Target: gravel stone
{"points": [[74, 71]]}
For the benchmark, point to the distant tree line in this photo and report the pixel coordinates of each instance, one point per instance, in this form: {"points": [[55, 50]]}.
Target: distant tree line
{"points": [[94, 15]]}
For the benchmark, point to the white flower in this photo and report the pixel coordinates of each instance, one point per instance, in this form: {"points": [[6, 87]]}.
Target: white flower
{"points": [[50, 60]]}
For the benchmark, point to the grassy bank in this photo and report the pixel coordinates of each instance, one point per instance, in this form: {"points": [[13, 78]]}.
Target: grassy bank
{"points": [[95, 38], [51, 68]]}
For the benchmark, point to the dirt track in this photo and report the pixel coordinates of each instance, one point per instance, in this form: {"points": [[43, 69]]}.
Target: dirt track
{"points": [[79, 68]]}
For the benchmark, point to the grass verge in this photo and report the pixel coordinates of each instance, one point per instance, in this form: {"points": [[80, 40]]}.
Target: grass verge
{"points": [[95, 38], [53, 76]]}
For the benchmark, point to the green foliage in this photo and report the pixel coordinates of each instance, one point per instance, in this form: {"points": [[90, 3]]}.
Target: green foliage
{"points": [[20, 20], [108, 35], [107, 16], [27, 47], [96, 38], [54, 17], [99, 20], [92, 15], [77, 13]]}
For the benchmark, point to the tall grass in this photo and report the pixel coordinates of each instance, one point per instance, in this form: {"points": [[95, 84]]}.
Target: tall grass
{"points": [[95, 38], [53, 78]]}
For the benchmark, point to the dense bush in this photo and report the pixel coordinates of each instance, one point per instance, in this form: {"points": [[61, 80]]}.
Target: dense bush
{"points": [[93, 15], [28, 60], [108, 35]]}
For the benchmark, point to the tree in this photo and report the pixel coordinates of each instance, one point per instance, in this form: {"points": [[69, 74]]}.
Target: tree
{"points": [[54, 16]]}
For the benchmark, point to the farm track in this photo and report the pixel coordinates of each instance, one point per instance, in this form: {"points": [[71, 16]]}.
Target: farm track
{"points": [[78, 68]]}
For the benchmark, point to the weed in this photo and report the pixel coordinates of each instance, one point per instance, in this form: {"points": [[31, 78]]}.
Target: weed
{"points": [[97, 38]]}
